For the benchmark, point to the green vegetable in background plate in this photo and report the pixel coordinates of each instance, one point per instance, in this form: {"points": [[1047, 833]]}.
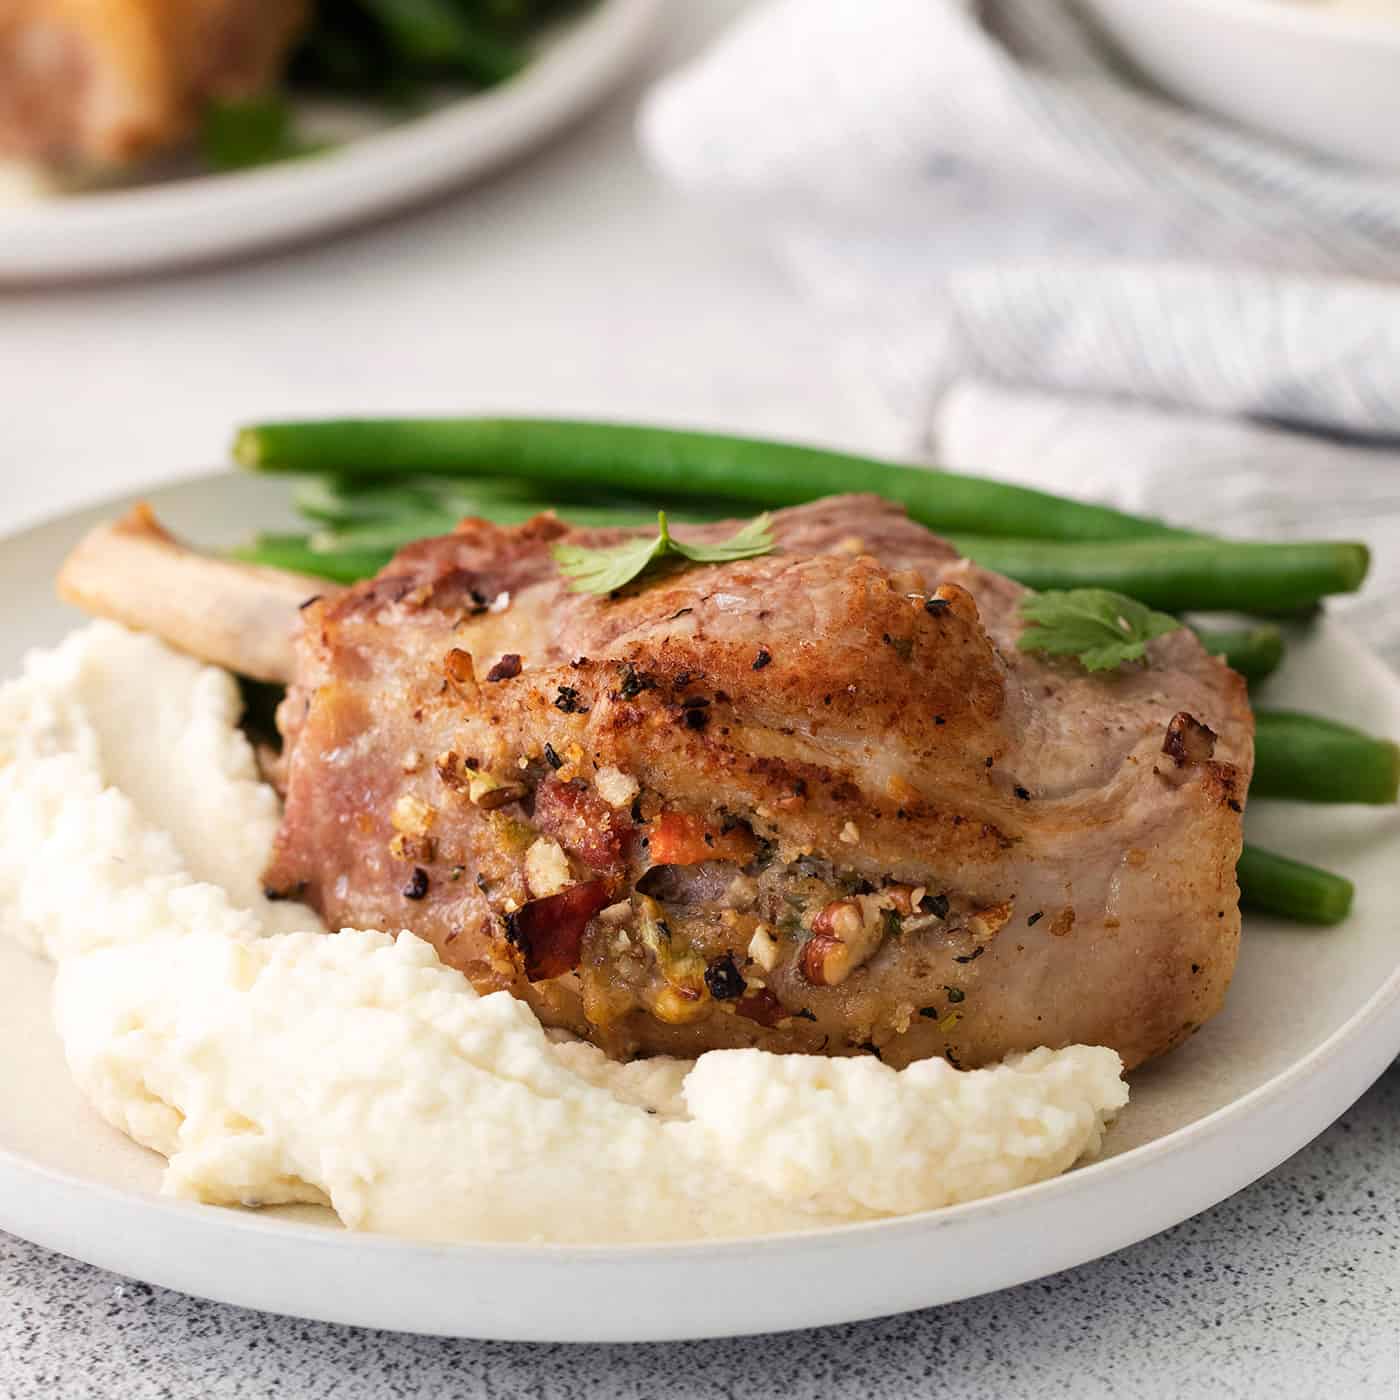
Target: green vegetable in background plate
{"points": [[238, 134]]}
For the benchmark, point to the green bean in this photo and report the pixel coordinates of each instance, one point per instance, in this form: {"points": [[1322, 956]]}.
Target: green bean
{"points": [[656, 462], [375, 536], [358, 501], [294, 552], [395, 532], [339, 503], [1181, 574], [1254, 652], [1309, 759], [1274, 884]]}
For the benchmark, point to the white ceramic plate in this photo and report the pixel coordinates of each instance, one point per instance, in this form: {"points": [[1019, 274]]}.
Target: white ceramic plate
{"points": [[1313, 1018], [1325, 78], [212, 216]]}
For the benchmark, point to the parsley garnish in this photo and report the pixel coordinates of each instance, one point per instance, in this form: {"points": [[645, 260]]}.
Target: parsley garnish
{"points": [[603, 570], [1101, 628]]}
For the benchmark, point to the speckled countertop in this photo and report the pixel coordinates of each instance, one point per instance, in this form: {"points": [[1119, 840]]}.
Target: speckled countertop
{"points": [[1289, 1289]]}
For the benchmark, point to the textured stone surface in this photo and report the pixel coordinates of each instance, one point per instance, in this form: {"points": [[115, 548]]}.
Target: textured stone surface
{"points": [[1291, 1288]]}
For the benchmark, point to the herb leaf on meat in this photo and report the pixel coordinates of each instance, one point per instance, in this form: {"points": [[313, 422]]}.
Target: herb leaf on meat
{"points": [[609, 568], [1100, 628], [749, 541]]}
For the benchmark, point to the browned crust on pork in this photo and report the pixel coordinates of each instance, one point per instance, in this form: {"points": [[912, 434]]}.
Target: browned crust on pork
{"points": [[890, 729]]}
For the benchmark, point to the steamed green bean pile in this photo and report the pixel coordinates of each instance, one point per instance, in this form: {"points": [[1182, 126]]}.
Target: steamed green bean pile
{"points": [[367, 487]]}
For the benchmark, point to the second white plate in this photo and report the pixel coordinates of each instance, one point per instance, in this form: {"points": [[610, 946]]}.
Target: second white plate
{"points": [[212, 216], [1312, 1019]]}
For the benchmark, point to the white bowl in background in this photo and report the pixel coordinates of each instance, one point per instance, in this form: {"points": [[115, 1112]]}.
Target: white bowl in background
{"points": [[1327, 79]]}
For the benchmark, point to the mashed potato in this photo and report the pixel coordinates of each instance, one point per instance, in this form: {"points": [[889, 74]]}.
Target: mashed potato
{"points": [[271, 1063]]}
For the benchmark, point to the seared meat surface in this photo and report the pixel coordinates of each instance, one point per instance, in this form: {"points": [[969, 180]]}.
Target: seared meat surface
{"points": [[812, 801], [105, 82]]}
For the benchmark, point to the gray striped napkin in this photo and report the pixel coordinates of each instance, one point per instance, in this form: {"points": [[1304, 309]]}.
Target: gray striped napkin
{"points": [[978, 191], [1198, 470]]}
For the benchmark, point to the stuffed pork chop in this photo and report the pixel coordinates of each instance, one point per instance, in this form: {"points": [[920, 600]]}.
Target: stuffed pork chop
{"points": [[812, 801]]}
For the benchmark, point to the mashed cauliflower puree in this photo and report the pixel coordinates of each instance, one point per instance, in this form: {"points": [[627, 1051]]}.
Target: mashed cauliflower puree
{"points": [[271, 1063]]}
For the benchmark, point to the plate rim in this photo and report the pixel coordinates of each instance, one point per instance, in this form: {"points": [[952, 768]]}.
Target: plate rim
{"points": [[1365, 1044]]}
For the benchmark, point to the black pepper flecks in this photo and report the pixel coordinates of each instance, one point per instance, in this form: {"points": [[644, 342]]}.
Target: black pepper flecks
{"points": [[724, 980], [567, 700], [1022, 793], [935, 607], [634, 682], [806, 1014], [762, 659], [973, 955], [1036, 917], [695, 712], [931, 1012], [417, 885], [552, 758], [935, 904], [955, 995]]}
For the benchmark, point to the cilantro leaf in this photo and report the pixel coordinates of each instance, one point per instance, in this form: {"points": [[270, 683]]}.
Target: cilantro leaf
{"points": [[609, 568], [753, 539], [1101, 628], [602, 570]]}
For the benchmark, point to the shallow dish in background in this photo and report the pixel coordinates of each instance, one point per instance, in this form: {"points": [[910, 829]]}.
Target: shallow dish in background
{"points": [[1324, 79], [209, 216], [1313, 1018]]}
